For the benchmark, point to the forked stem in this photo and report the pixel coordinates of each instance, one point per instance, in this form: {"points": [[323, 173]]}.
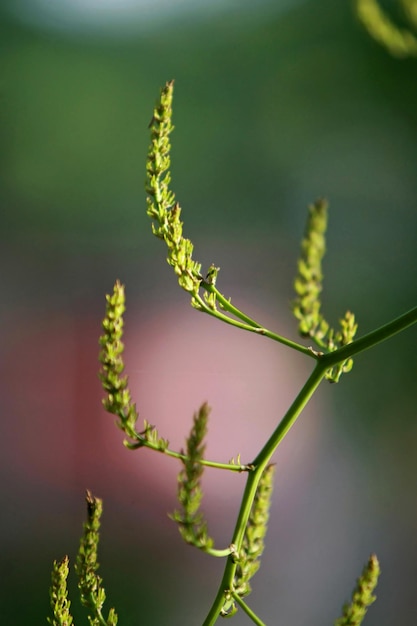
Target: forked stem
{"points": [[255, 619], [371, 339], [246, 323], [252, 482], [329, 360]]}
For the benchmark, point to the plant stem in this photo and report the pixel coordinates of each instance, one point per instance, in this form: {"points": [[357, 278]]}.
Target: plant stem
{"points": [[262, 459], [96, 609], [291, 416], [247, 323], [220, 553], [259, 464], [227, 305], [248, 610], [142, 443], [371, 339]]}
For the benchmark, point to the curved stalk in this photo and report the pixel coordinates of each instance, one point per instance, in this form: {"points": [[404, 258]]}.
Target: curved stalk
{"points": [[246, 322]]}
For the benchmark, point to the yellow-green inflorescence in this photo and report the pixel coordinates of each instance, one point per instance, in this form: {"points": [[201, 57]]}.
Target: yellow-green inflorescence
{"points": [[308, 282], [93, 595], [162, 207], [60, 604], [118, 400], [255, 532], [362, 596], [308, 287], [399, 41], [191, 523]]}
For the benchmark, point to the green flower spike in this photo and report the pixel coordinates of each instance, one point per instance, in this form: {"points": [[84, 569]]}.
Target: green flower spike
{"points": [[253, 541], [60, 604], [400, 42], [117, 400], [162, 207], [338, 340], [165, 213], [362, 597], [93, 595], [308, 282], [308, 287], [191, 523]]}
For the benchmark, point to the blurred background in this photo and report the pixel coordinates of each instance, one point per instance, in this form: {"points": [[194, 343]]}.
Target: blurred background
{"points": [[276, 103]]}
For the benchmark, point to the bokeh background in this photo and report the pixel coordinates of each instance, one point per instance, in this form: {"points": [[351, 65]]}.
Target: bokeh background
{"points": [[276, 103]]}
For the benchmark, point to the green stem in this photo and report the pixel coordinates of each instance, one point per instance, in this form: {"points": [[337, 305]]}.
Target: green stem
{"points": [[252, 482], [228, 306], [247, 323], [371, 339], [291, 416], [142, 443], [248, 610], [219, 552], [96, 609], [261, 461]]}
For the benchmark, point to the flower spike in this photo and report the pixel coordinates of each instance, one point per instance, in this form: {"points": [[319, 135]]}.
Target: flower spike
{"points": [[92, 592], [60, 604], [362, 596], [308, 287]]}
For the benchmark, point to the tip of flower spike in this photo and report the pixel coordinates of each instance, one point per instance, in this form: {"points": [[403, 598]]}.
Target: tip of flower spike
{"points": [[362, 596], [308, 287], [117, 399], [162, 207]]}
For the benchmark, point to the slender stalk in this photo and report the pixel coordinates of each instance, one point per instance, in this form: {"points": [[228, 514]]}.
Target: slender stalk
{"points": [[325, 361], [259, 464], [227, 305], [217, 552], [371, 339], [291, 416], [142, 443], [248, 324], [255, 619]]}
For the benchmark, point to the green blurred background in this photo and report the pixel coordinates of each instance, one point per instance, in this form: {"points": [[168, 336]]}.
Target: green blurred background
{"points": [[276, 103]]}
